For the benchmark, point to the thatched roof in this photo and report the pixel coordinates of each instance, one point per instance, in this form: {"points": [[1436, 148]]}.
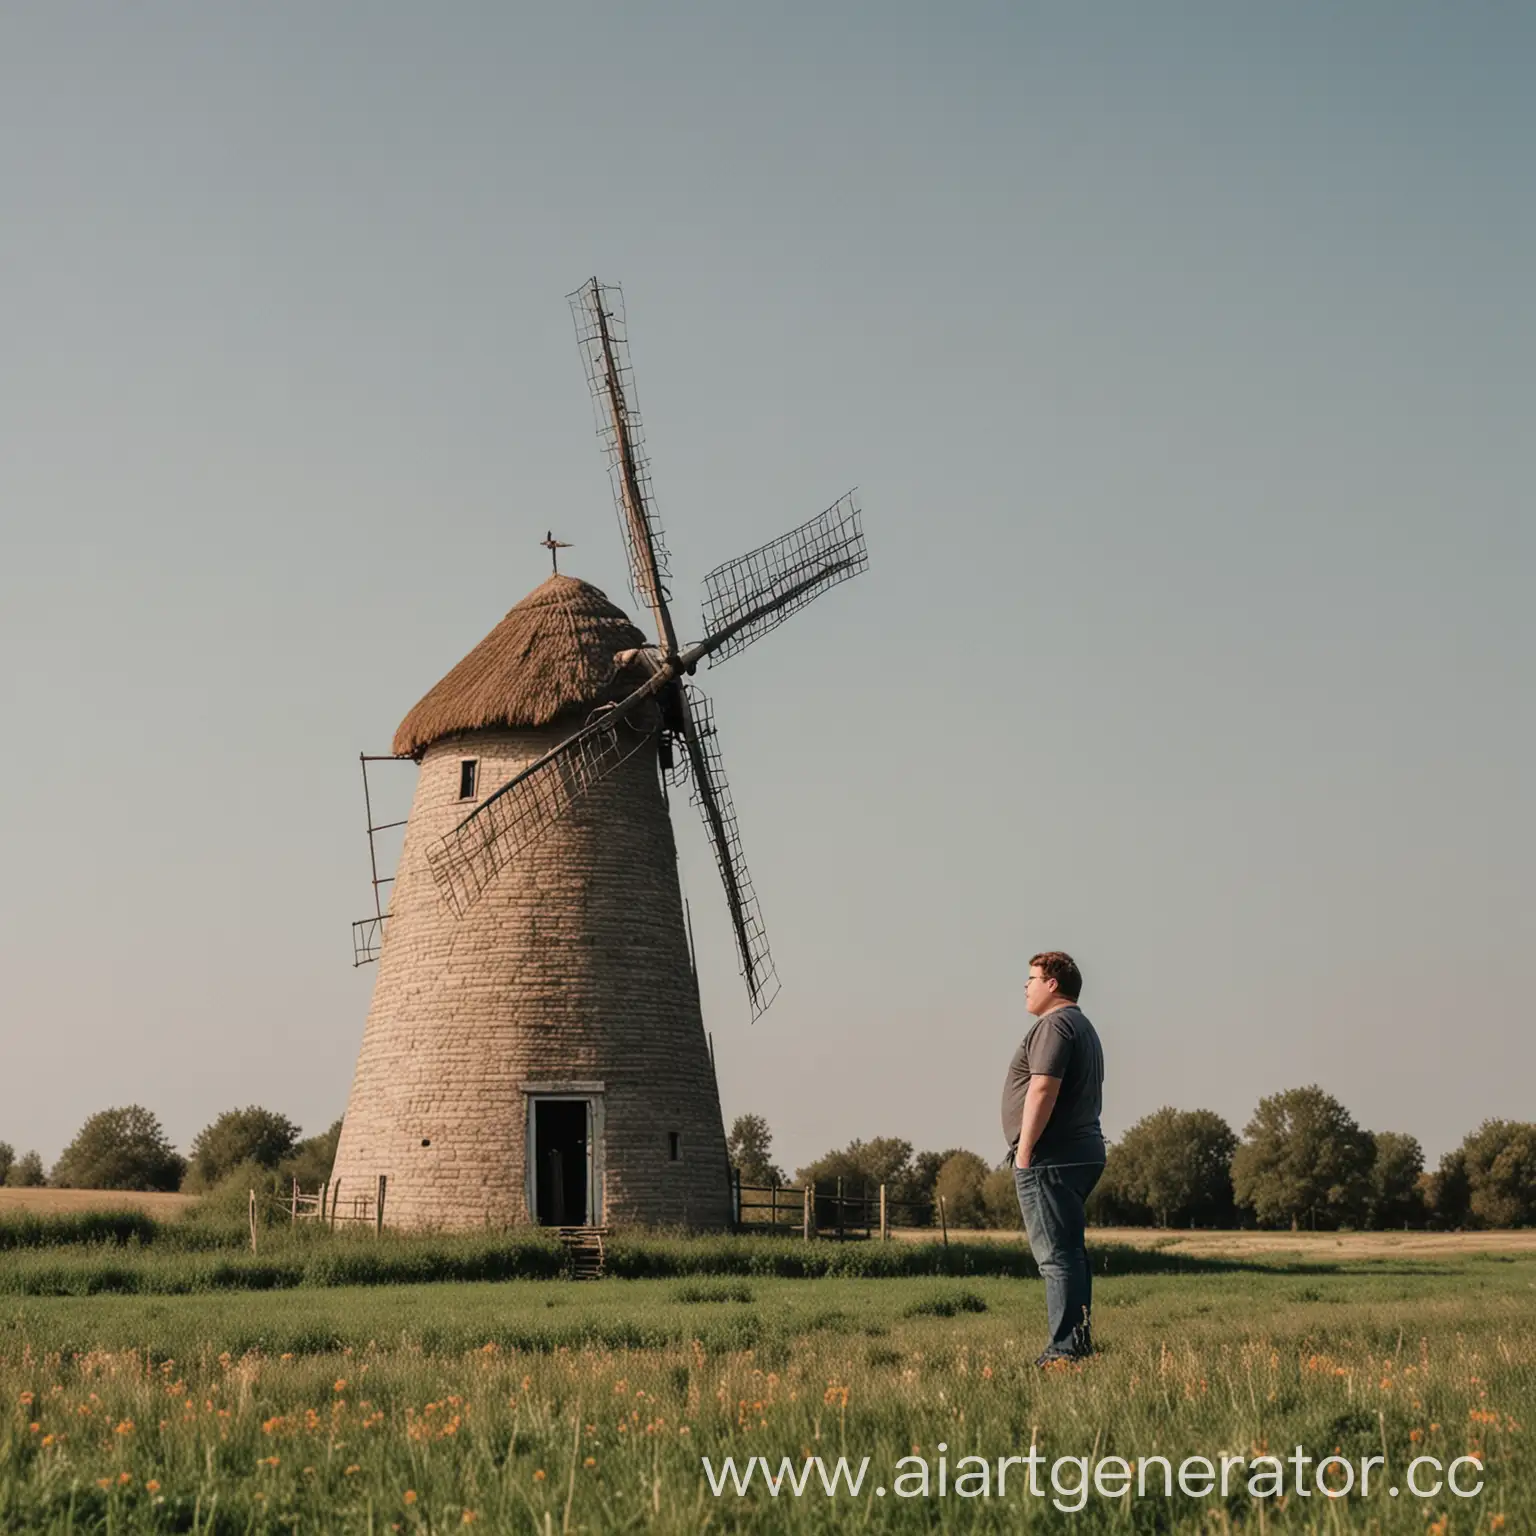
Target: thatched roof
{"points": [[552, 655]]}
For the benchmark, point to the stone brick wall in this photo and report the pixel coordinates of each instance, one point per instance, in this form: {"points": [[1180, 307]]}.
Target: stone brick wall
{"points": [[572, 966]]}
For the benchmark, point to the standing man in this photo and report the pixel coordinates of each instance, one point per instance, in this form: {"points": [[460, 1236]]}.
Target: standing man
{"points": [[1052, 1098]]}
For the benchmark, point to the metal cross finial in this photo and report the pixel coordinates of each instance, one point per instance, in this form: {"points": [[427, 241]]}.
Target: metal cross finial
{"points": [[554, 546]]}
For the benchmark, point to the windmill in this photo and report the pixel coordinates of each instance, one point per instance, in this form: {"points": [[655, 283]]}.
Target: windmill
{"points": [[744, 599], [535, 1047]]}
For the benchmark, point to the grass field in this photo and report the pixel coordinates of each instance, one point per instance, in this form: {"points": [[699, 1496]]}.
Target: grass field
{"points": [[55, 1201], [540, 1405]]}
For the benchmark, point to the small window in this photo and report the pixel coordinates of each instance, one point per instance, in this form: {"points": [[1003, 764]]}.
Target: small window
{"points": [[675, 1146], [469, 772]]}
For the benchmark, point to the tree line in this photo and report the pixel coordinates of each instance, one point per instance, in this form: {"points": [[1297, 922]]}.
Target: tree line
{"points": [[1301, 1161], [127, 1149]]}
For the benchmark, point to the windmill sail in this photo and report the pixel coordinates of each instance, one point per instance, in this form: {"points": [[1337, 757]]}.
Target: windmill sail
{"points": [[757, 592], [465, 861], [712, 795], [602, 335]]}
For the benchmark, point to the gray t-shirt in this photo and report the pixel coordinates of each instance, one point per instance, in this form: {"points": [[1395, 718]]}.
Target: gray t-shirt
{"points": [[1062, 1044]]}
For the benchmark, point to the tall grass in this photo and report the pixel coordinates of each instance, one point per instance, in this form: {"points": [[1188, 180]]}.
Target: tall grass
{"points": [[544, 1408]]}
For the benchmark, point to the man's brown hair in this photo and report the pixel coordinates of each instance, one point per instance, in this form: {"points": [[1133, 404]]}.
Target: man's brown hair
{"points": [[1058, 966]]}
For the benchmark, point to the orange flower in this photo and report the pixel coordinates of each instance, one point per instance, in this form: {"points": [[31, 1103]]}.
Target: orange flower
{"points": [[1496, 1522], [1415, 1435], [341, 1384], [152, 1486], [468, 1517], [538, 1476], [591, 1461], [347, 1472], [410, 1495], [34, 1427], [26, 1399]]}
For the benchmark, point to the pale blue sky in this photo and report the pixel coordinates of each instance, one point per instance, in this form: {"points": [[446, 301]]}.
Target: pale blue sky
{"points": [[1183, 355]]}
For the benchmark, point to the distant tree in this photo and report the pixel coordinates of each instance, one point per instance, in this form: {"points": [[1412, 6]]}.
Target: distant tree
{"points": [[7, 1157], [914, 1191], [1303, 1159], [312, 1160], [26, 1172], [1500, 1161], [1111, 1204], [1396, 1169], [1178, 1165], [961, 1185], [1000, 1197], [1447, 1194], [250, 1135], [749, 1147], [120, 1149], [863, 1164]]}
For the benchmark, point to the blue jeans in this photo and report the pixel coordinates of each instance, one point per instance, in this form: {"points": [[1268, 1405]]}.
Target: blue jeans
{"points": [[1051, 1197]]}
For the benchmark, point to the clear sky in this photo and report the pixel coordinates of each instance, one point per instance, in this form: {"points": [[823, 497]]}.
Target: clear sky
{"points": [[1183, 355]]}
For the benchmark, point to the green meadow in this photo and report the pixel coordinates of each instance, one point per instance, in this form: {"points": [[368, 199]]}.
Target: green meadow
{"points": [[161, 1401]]}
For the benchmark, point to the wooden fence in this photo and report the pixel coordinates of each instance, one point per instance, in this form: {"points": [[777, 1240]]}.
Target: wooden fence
{"points": [[325, 1206], [832, 1209]]}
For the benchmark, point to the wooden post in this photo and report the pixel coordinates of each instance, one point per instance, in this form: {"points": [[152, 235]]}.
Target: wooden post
{"points": [[378, 1209], [325, 1200], [735, 1199], [808, 1216], [253, 1221], [839, 1207], [335, 1201], [293, 1204], [773, 1194], [885, 1225], [943, 1221]]}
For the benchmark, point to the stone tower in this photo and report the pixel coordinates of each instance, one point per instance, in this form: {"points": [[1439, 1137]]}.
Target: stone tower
{"points": [[543, 1057]]}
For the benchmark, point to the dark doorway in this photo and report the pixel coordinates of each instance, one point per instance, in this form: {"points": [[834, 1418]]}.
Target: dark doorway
{"points": [[560, 1161]]}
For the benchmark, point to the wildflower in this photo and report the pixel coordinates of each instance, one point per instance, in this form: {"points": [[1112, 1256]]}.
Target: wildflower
{"points": [[152, 1486], [341, 1384], [591, 1461], [26, 1399], [468, 1517], [269, 1461], [34, 1427], [410, 1495], [286, 1355], [48, 1439], [348, 1471], [124, 1477], [103, 1482], [538, 1476], [1496, 1522], [683, 1429], [1415, 1435]]}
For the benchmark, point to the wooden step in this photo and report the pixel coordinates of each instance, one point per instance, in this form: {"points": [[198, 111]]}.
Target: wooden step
{"points": [[585, 1246]]}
